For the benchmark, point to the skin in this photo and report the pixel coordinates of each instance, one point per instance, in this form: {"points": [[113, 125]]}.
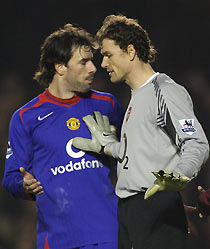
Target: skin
{"points": [[76, 77], [68, 81], [124, 65], [202, 215], [30, 183]]}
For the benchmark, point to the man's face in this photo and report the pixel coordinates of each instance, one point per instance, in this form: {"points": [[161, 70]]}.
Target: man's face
{"points": [[115, 60], [80, 70]]}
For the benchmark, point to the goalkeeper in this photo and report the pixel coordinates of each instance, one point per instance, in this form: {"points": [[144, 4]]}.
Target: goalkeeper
{"points": [[162, 146]]}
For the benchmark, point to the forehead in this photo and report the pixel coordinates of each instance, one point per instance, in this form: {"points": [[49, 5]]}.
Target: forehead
{"points": [[109, 45], [82, 52]]}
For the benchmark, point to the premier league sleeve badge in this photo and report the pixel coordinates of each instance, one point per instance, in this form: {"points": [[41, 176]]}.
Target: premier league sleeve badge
{"points": [[187, 126], [9, 151]]}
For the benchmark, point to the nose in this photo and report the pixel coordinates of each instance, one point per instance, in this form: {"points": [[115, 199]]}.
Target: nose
{"points": [[104, 63], [92, 68]]}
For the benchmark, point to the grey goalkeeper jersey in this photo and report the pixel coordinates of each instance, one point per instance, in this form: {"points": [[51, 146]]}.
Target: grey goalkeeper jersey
{"points": [[159, 131]]}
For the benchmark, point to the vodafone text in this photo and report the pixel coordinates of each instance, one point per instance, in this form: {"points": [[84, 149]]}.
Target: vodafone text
{"points": [[81, 165]]}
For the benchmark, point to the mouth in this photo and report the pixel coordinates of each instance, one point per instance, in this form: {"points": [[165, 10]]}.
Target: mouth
{"points": [[110, 72], [90, 78]]}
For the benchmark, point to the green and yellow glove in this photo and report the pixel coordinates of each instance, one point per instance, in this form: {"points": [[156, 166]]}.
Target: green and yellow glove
{"points": [[102, 132], [166, 181]]}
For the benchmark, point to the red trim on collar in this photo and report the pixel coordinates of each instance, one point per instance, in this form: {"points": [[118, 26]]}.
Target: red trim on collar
{"points": [[70, 101], [38, 103], [46, 96]]}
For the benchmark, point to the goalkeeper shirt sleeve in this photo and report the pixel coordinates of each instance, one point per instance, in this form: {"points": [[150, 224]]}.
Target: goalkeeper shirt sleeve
{"points": [[114, 148], [194, 148]]}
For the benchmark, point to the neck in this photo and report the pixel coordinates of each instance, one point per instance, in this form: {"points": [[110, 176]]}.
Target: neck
{"points": [[140, 73], [59, 90]]}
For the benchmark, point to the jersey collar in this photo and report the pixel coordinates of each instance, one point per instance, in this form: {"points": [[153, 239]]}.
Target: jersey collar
{"points": [[70, 101]]}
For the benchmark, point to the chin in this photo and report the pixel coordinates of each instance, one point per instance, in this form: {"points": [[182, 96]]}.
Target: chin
{"points": [[116, 80], [85, 90]]}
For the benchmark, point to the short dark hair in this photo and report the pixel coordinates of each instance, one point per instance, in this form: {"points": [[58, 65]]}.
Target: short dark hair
{"points": [[58, 48], [125, 31]]}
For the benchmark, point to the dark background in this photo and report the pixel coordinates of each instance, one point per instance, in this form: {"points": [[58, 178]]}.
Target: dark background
{"points": [[180, 31]]}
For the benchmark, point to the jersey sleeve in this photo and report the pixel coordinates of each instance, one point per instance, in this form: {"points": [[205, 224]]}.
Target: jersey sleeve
{"points": [[117, 115], [116, 119], [194, 148], [19, 154]]}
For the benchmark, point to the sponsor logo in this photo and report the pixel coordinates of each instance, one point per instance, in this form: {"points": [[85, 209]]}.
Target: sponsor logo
{"points": [[76, 166], [71, 153], [187, 126], [106, 134], [82, 164], [41, 118], [73, 124], [9, 151]]}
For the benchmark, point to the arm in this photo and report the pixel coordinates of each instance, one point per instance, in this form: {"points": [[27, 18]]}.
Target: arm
{"points": [[116, 119], [104, 136], [203, 207], [194, 148], [18, 164], [203, 203], [30, 184], [183, 128]]}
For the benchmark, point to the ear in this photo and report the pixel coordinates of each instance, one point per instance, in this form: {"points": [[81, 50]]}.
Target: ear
{"points": [[60, 69], [131, 52]]}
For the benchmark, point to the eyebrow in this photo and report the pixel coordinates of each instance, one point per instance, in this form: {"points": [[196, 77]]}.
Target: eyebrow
{"points": [[86, 59], [105, 53]]}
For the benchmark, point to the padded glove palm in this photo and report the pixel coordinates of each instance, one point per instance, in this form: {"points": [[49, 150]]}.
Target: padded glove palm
{"points": [[166, 181], [102, 134]]}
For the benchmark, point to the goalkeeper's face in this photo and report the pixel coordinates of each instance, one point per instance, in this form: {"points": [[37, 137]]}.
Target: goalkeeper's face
{"points": [[115, 60], [79, 73]]}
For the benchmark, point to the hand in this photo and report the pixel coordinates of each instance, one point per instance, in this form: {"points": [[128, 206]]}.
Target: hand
{"points": [[192, 228], [190, 209], [30, 184], [203, 207], [166, 181], [203, 203], [102, 132]]}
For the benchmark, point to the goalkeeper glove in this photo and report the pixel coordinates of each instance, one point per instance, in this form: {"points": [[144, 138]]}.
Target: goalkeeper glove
{"points": [[166, 181], [102, 132]]}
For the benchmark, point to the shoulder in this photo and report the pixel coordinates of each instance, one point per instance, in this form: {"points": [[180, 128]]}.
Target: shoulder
{"points": [[26, 110], [104, 96], [169, 88], [164, 81], [107, 104], [95, 93]]}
